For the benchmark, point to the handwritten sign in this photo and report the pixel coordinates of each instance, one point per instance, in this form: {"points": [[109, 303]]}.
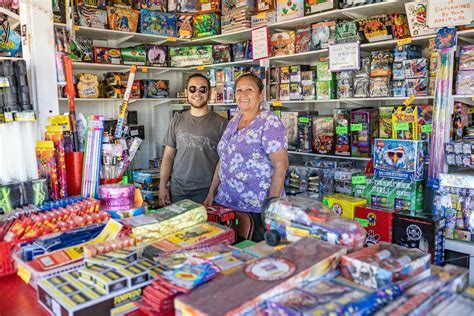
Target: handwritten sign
{"points": [[345, 56], [449, 12], [260, 43]]}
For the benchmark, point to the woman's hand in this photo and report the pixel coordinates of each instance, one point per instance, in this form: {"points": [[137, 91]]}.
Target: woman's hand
{"points": [[209, 200]]}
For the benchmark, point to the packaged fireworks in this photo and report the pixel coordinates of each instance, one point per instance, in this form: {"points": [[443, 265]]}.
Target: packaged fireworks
{"points": [[325, 90], [375, 28], [381, 64], [385, 122], [347, 31], [362, 87], [466, 58], [405, 52], [303, 40], [323, 34], [283, 43], [399, 88], [364, 130], [323, 135], [379, 87], [290, 121], [122, 19], [342, 135], [345, 88], [415, 68], [418, 86]]}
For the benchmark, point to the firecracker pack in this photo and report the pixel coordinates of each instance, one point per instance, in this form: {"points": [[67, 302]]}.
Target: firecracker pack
{"points": [[379, 87], [375, 28], [134, 55], [122, 19], [385, 122], [344, 205], [326, 90], [221, 53], [342, 121], [186, 56], [206, 24], [105, 55], [421, 230], [381, 63], [343, 179], [406, 52], [323, 135], [222, 216], [377, 222], [400, 195], [304, 179], [305, 131], [323, 34], [156, 55], [91, 17], [303, 40], [347, 31], [383, 264], [399, 88], [289, 10], [312, 7], [364, 130], [399, 159]]}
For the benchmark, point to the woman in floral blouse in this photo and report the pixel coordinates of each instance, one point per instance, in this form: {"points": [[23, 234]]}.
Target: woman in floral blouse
{"points": [[253, 155]]}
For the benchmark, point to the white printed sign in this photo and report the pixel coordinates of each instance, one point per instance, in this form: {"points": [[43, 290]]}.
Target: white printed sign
{"points": [[260, 43]]}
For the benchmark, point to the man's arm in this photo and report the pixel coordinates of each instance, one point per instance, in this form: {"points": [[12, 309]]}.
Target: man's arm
{"points": [[165, 174], [280, 165], [214, 185]]}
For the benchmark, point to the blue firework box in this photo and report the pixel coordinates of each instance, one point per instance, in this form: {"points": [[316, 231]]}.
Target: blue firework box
{"points": [[399, 159], [158, 23]]}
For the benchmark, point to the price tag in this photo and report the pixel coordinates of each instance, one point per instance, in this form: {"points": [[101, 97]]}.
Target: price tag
{"points": [[304, 120], [277, 112], [341, 130], [171, 39], [409, 101], [356, 127], [144, 69], [328, 120], [363, 222], [427, 128], [402, 126], [359, 180], [200, 67], [471, 109], [23, 273], [76, 27], [404, 41], [276, 103]]}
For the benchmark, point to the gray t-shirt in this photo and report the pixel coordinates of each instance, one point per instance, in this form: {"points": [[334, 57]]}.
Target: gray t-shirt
{"points": [[195, 139]]}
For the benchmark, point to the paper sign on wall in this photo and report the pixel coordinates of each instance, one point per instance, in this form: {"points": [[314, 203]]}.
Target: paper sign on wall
{"points": [[260, 43], [345, 56], [450, 12]]}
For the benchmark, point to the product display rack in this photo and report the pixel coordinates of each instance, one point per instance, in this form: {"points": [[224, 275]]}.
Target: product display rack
{"points": [[328, 156]]}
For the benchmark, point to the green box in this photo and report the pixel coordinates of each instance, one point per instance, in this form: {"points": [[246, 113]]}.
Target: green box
{"points": [[325, 90], [323, 73], [385, 121], [391, 193], [134, 55]]}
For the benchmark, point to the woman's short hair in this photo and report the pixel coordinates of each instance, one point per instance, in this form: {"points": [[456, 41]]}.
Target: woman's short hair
{"points": [[198, 75], [255, 79]]}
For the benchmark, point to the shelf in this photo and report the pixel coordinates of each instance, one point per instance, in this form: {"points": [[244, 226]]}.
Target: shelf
{"points": [[248, 62], [10, 58], [157, 100], [328, 156], [114, 67], [469, 99], [226, 38], [390, 6], [119, 36], [13, 18], [353, 100]]}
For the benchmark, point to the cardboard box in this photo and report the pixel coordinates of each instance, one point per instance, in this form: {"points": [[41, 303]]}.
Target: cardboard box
{"points": [[423, 231], [377, 222], [399, 159], [323, 135], [343, 205], [342, 122], [393, 194], [364, 131], [385, 122], [312, 7]]}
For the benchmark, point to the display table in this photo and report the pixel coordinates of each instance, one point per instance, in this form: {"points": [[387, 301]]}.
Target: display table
{"points": [[18, 299]]}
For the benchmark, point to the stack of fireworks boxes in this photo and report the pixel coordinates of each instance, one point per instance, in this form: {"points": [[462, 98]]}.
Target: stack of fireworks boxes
{"points": [[292, 83], [108, 283], [410, 72], [325, 81], [148, 182]]}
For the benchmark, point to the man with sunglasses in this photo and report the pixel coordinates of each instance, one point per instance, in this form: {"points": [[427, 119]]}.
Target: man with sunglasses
{"points": [[190, 155]]}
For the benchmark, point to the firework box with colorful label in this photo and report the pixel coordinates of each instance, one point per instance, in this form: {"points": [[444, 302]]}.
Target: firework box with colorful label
{"points": [[304, 140], [346, 31], [323, 34], [343, 205], [375, 28], [399, 159], [302, 179], [385, 122], [283, 43], [105, 55], [289, 10], [400, 195], [223, 216], [405, 52], [343, 179], [259, 280], [364, 131], [155, 89], [312, 7], [290, 121], [158, 23], [399, 88], [206, 24], [190, 56], [123, 19], [325, 90], [415, 68], [295, 217], [323, 135], [398, 72], [323, 73], [134, 55], [295, 91], [413, 122], [423, 231], [303, 40], [91, 17], [377, 223], [342, 119], [382, 264], [156, 55]]}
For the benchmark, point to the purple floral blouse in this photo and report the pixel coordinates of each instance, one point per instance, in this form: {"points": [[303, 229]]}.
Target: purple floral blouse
{"points": [[246, 169]]}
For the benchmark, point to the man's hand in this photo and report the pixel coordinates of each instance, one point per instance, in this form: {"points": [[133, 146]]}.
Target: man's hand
{"points": [[164, 197]]}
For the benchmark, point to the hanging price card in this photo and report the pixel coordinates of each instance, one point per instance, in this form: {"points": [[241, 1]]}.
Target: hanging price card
{"points": [[304, 120], [356, 127], [328, 120], [260, 43], [171, 39], [341, 130], [409, 101], [402, 126], [363, 222], [200, 67], [144, 69], [345, 56], [404, 41], [427, 128], [276, 103], [359, 180]]}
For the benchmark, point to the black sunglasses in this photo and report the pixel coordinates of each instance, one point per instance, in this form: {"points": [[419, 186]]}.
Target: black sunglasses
{"points": [[193, 89]]}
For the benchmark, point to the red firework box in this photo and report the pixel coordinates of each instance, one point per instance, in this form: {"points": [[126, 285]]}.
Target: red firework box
{"points": [[223, 216], [377, 223]]}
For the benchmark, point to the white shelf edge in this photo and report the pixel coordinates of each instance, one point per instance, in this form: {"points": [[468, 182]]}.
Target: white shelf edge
{"points": [[228, 64], [99, 66], [350, 100], [120, 100], [328, 156]]}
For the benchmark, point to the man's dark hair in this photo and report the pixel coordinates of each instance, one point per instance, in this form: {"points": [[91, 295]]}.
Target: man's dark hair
{"points": [[198, 75], [255, 79]]}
